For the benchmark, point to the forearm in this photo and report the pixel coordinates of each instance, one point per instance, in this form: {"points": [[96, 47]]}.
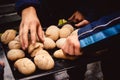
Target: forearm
{"points": [[94, 31]]}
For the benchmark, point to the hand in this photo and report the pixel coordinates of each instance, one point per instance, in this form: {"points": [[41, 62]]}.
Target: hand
{"points": [[78, 19], [82, 23], [2, 64], [72, 46], [30, 23]]}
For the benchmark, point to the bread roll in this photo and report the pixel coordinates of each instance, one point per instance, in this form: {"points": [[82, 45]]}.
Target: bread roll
{"points": [[14, 44], [52, 32], [60, 55], [60, 42], [64, 32], [49, 43], [15, 54], [34, 52], [25, 66], [17, 38], [68, 26], [32, 47], [8, 36], [74, 32], [43, 60]]}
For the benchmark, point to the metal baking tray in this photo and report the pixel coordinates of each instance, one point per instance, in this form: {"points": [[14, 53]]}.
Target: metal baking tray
{"points": [[60, 65], [91, 53]]}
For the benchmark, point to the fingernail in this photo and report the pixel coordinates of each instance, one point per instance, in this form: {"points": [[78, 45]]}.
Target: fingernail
{"points": [[33, 42], [23, 48]]}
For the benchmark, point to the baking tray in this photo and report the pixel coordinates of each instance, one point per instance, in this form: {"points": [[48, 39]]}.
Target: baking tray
{"points": [[60, 65], [91, 53]]}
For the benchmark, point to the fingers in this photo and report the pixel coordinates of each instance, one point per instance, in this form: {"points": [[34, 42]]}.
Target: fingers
{"points": [[71, 49], [65, 48], [71, 46], [33, 33], [77, 49], [40, 33], [72, 18], [23, 35], [2, 63], [68, 50], [76, 17], [82, 23]]}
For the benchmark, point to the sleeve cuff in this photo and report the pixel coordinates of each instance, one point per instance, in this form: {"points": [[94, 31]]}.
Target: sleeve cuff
{"points": [[22, 4]]}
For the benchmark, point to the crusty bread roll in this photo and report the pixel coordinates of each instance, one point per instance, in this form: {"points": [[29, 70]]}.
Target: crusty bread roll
{"points": [[32, 47], [49, 43], [43, 60], [68, 26], [17, 38], [74, 32], [25, 66], [14, 44], [60, 55], [52, 32], [60, 42], [64, 32], [8, 36], [35, 51], [15, 54]]}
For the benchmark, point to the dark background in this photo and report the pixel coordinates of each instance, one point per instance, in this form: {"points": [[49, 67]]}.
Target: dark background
{"points": [[8, 15], [2, 2]]}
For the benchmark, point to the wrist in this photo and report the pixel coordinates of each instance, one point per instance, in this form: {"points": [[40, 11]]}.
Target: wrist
{"points": [[29, 10]]}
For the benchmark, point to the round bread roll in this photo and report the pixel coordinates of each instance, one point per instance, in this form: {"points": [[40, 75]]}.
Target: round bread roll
{"points": [[52, 32], [25, 66], [34, 52], [49, 43], [17, 38], [60, 55], [43, 60], [74, 32], [15, 54], [32, 47], [60, 42], [8, 36], [64, 32], [14, 44], [68, 26]]}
